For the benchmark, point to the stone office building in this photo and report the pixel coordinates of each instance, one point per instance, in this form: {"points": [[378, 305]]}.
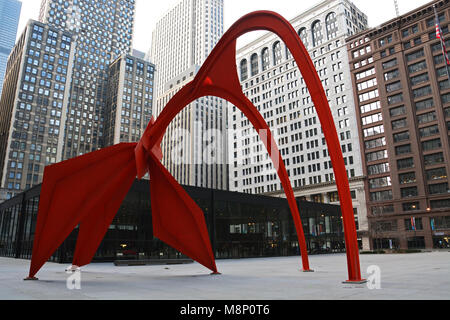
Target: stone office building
{"points": [[402, 93], [272, 81]]}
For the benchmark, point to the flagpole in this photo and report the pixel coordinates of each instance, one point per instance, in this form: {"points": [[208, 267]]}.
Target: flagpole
{"points": [[438, 27]]}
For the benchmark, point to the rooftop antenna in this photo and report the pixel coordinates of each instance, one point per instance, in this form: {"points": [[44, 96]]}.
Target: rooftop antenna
{"points": [[397, 12]]}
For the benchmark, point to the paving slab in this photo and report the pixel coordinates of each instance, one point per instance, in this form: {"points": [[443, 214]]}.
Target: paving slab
{"points": [[424, 276]]}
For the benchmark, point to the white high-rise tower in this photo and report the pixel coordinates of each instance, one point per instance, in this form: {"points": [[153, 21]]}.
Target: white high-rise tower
{"points": [[194, 147]]}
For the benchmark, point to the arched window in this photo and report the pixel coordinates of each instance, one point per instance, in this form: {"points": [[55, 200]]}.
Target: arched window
{"points": [[331, 25], [317, 35], [254, 64], [265, 59], [304, 36], [244, 72], [277, 53], [288, 53]]}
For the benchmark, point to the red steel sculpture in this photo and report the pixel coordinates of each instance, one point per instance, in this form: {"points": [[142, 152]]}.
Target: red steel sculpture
{"points": [[87, 191]]}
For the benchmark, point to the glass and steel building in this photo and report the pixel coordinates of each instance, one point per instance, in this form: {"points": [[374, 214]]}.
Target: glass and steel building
{"points": [[402, 94], [34, 105], [62, 67], [129, 99], [9, 19], [240, 226], [272, 81], [103, 31], [194, 147]]}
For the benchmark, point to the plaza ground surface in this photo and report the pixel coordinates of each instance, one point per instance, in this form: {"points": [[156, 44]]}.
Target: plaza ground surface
{"points": [[403, 276]]}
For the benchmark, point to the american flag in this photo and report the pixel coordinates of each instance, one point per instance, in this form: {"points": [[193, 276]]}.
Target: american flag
{"points": [[439, 35]]}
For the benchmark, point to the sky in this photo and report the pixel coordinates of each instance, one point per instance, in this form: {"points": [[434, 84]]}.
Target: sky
{"points": [[149, 11]]}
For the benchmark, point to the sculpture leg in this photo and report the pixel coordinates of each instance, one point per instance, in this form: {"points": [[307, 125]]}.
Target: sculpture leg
{"points": [[94, 227], [70, 191], [177, 219]]}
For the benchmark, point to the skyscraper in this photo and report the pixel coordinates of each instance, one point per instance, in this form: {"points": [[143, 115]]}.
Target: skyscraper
{"points": [[103, 30], [271, 79], [129, 98], [59, 72], [9, 19], [194, 148], [34, 105]]}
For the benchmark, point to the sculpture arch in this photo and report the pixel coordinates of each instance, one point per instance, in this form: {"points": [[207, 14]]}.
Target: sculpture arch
{"points": [[176, 218]]}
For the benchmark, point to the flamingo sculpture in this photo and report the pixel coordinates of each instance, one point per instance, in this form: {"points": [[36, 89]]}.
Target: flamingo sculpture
{"points": [[88, 190]]}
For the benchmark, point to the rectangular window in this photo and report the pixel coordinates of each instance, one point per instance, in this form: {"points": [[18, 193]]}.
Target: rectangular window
{"points": [[404, 149], [415, 55], [368, 95], [381, 195], [378, 168], [438, 204], [413, 224], [405, 163], [432, 21], [391, 75], [409, 177], [394, 112], [431, 144], [384, 226], [424, 104], [419, 79], [408, 192], [390, 63], [445, 84], [374, 156], [411, 206], [417, 93], [426, 117], [439, 59], [436, 174], [395, 99], [433, 159], [365, 73], [333, 196], [399, 124], [371, 107], [442, 71], [371, 144], [367, 84], [393, 86], [380, 210], [373, 131], [372, 118], [440, 223], [429, 131], [416, 67], [440, 188], [380, 182], [445, 98], [402, 136]]}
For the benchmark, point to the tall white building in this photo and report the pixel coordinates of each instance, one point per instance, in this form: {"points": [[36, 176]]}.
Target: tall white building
{"points": [[271, 80], [193, 148]]}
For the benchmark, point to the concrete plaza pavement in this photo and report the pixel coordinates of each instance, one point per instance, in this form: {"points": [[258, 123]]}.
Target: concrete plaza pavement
{"points": [[424, 276]]}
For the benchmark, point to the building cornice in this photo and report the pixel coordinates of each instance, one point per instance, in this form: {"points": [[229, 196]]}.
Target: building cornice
{"points": [[402, 21]]}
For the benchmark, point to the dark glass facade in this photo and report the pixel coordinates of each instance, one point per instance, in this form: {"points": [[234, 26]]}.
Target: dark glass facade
{"points": [[240, 226]]}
